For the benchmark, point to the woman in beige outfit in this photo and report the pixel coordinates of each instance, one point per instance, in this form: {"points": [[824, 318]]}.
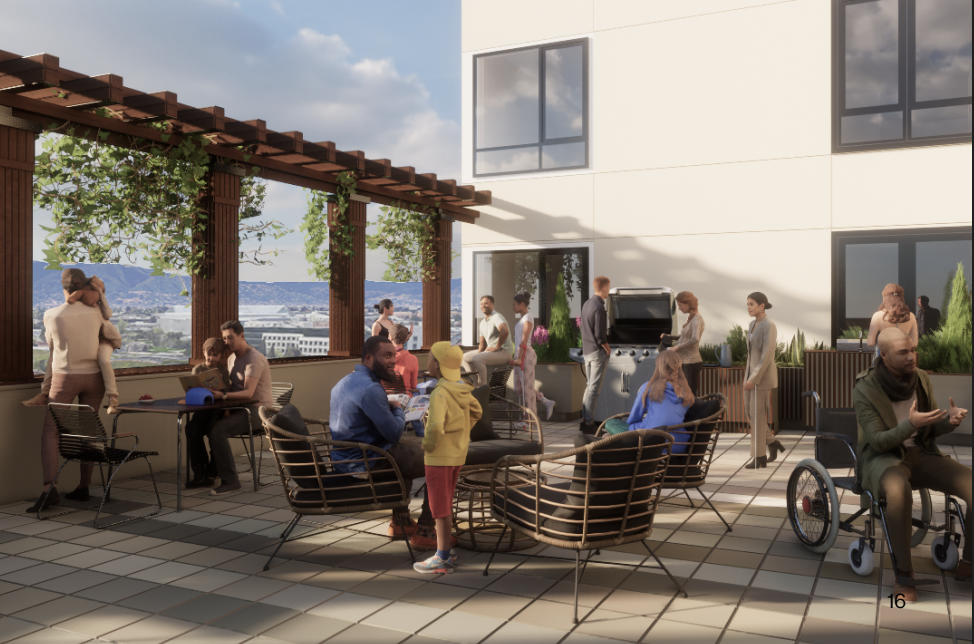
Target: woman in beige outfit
{"points": [[760, 378], [687, 344]]}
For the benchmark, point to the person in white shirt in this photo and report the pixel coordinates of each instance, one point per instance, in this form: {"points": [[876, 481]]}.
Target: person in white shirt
{"points": [[526, 359]]}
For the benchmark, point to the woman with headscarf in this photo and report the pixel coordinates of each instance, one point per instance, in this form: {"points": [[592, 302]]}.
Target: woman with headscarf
{"points": [[687, 344], [893, 312], [760, 378]]}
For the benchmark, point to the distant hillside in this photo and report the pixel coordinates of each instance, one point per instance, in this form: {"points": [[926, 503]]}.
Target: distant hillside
{"points": [[137, 287]]}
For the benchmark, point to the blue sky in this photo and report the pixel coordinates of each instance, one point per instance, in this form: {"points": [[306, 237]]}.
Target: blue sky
{"points": [[380, 76]]}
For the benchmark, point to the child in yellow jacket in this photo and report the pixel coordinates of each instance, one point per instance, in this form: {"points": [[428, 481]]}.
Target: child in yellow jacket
{"points": [[453, 412]]}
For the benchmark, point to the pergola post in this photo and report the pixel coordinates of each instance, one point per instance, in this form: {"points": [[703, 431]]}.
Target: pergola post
{"points": [[346, 288], [16, 245], [436, 288], [216, 287]]}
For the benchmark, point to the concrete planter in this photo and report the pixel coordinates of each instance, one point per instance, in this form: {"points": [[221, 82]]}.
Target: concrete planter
{"points": [[565, 384], [958, 387]]}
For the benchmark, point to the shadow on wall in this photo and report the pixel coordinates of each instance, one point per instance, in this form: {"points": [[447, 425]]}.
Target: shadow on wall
{"points": [[799, 261]]}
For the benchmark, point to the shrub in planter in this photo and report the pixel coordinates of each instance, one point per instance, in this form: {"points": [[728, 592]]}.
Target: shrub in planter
{"points": [[793, 353], [552, 344], [948, 349]]}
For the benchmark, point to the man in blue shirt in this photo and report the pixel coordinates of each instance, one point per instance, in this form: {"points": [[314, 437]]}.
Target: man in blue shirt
{"points": [[361, 412]]}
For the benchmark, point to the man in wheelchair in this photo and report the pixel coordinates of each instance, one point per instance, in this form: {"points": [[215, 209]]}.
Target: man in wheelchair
{"points": [[898, 425]]}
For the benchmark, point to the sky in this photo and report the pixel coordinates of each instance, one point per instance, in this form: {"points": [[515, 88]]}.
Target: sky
{"points": [[382, 77]]}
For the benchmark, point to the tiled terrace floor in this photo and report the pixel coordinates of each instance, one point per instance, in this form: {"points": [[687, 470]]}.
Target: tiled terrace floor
{"points": [[195, 577]]}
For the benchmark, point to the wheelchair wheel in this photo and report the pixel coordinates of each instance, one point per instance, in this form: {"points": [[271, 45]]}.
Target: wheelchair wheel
{"points": [[944, 552], [923, 512], [862, 564], [813, 506]]}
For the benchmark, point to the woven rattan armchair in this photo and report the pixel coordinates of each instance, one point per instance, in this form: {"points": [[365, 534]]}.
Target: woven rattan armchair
{"points": [[314, 486], [281, 392], [82, 438], [598, 495], [697, 438]]}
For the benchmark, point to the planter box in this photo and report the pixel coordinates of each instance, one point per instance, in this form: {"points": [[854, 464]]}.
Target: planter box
{"points": [[958, 387], [790, 382], [832, 374], [730, 382]]}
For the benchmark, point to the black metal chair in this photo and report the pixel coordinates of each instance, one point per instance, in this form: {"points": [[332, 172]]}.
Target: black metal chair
{"points": [[603, 493], [281, 392], [82, 438], [312, 483]]}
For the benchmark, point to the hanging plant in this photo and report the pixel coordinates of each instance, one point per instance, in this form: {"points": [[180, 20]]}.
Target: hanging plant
{"points": [[408, 237], [319, 232], [140, 200]]}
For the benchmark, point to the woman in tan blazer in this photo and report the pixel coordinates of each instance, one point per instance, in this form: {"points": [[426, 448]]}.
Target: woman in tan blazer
{"points": [[760, 377]]}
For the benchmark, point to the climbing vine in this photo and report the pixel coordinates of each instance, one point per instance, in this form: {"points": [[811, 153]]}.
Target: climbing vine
{"points": [[136, 199], [319, 232]]}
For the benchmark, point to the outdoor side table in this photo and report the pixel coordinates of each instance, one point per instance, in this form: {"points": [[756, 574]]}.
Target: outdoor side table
{"points": [[472, 523], [172, 406]]}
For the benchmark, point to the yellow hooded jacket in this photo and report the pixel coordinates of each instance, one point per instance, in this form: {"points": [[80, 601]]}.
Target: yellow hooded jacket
{"points": [[453, 412]]}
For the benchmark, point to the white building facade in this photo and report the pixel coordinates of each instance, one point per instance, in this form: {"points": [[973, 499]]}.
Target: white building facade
{"points": [[814, 150]]}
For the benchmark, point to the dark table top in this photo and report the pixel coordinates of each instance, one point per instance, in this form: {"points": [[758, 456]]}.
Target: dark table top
{"points": [[173, 406]]}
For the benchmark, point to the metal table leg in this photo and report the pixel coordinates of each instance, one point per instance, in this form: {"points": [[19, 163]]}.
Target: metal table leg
{"points": [[179, 462], [253, 455]]}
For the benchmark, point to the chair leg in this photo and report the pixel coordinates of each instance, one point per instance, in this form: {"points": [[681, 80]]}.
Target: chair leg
{"points": [[666, 570], [496, 548], [48, 493], [419, 491], [692, 504], [575, 618], [409, 546], [105, 496], [719, 516], [287, 533]]}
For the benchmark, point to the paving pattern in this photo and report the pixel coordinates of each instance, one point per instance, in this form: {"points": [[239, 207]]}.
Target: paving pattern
{"points": [[196, 577]]}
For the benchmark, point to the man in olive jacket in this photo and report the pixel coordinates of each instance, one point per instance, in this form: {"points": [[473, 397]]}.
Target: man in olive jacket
{"points": [[898, 425]]}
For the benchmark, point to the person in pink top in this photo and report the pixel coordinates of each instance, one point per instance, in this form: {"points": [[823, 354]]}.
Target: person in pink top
{"points": [[407, 365]]}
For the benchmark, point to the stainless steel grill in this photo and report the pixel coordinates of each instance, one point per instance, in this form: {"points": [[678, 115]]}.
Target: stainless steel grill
{"points": [[636, 319]]}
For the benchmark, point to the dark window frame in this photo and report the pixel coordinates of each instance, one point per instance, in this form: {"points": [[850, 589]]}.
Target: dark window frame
{"points": [[907, 86], [541, 296], [907, 240], [542, 141]]}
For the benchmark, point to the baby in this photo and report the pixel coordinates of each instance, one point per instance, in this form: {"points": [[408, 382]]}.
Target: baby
{"points": [[109, 339]]}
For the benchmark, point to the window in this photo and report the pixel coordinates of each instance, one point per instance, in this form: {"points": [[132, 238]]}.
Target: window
{"points": [[903, 73], [504, 274], [531, 109], [922, 262]]}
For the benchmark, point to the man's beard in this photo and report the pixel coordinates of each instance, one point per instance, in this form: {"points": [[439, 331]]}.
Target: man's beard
{"points": [[383, 373]]}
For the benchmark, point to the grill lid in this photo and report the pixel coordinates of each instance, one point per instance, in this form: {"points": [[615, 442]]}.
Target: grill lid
{"points": [[638, 316]]}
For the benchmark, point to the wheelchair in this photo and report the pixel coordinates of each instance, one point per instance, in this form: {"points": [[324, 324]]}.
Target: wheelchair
{"points": [[813, 502]]}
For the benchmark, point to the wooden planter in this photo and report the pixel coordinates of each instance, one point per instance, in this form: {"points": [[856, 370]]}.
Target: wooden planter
{"points": [[730, 382], [790, 383], [832, 374]]}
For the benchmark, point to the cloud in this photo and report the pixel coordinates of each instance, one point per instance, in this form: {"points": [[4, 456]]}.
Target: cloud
{"points": [[213, 52]]}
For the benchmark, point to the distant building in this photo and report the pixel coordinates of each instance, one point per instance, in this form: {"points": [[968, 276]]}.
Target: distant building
{"points": [[179, 319], [278, 345]]}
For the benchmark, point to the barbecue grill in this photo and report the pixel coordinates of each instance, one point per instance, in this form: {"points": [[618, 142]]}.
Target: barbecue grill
{"points": [[636, 319]]}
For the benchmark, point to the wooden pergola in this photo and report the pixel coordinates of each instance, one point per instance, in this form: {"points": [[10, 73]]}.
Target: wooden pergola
{"points": [[28, 105]]}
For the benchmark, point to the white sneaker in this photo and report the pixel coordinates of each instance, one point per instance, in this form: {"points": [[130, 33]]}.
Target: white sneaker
{"points": [[549, 406]]}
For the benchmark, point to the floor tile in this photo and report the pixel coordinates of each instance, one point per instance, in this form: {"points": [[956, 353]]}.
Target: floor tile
{"points": [[757, 546], [736, 637], [209, 635], [667, 631], [21, 544], [208, 580], [513, 633], [761, 622], [553, 615], [159, 599], [255, 619], [76, 581], [52, 636], [389, 586], [154, 630], [791, 566], [166, 573], [253, 588], [465, 628], [115, 590], [208, 556], [777, 601], [637, 603], [135, 545], [401, 616], [564, 592], [306, 629], [206, 608], [102, 621], [783, 582], [90, 558], [915, 621], [172, 551], [37, 574], [715, 616], [57, 611], [11, 628], [521, 585], [724, 574], [838, 610], [362, 634], [349, 607], [440, 596], [300, 597], [25, 598], [888, 636], [125, 566], [846, 590], [734, 559]]}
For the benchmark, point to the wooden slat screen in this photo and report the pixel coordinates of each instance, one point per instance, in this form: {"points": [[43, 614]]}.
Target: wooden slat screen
{"points": [[730, 382], [832, 375]]}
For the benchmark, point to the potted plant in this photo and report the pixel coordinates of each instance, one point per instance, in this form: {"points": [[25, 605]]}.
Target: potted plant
{"points": [[560, 379]]}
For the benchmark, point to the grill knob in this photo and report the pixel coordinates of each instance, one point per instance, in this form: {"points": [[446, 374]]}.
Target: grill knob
{"points": [[618, 352], [632, 352], [645, 353]]}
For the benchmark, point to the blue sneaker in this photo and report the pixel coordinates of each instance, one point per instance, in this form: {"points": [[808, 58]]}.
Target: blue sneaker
{"points": [[435, 565]]}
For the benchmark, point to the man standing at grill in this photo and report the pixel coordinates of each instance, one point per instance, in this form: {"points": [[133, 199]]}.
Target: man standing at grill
{"points": [[595, 349]]}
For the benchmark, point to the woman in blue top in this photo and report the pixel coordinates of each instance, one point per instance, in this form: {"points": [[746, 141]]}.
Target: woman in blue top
{"points": [[663, 401]]}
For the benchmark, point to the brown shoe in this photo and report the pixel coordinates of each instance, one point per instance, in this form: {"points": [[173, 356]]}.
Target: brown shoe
{"points": [[40, 400], [424, 538], [904, 587], [962, 573], [397, 531]]}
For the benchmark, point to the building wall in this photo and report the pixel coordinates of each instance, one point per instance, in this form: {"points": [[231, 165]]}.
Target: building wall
{"points": [[711, 166]]}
